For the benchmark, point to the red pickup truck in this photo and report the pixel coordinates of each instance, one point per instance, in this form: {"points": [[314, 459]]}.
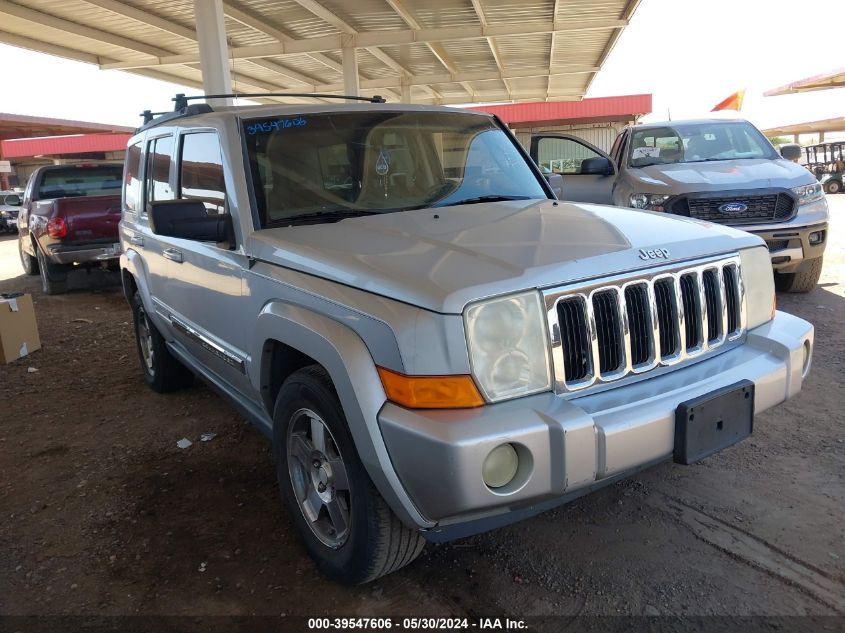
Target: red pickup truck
{"points": [[69, 218]]}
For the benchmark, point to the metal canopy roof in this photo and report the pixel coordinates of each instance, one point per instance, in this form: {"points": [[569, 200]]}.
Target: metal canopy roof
{"points": [[811, 127], [833, 79], [448, 51]]}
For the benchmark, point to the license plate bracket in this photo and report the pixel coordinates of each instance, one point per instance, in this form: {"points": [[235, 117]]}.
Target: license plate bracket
{"points": [[713, 422]]}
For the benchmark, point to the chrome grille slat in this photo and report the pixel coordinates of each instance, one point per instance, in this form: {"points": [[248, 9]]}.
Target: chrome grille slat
{"points": [[603, 331]]}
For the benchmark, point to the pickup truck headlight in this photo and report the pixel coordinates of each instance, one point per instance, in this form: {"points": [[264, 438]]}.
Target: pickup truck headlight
{"points": [[648, 201], [508, 351], [809, 193], [759, 282]]}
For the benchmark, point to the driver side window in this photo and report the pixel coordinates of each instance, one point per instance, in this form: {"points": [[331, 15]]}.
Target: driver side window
{"points": [[563, 155]]}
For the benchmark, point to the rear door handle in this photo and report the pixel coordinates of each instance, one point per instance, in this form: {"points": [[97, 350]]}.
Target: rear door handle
{"points": [[136, 240], [173, 255]]}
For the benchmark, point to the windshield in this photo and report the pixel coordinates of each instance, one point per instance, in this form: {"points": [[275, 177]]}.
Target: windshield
{"points": [[102, 180], [698, 142], [327, 166]]}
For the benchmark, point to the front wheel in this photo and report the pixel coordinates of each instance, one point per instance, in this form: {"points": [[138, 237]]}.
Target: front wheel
{"points": [[53, 276], [802, 281], [345, 524]]}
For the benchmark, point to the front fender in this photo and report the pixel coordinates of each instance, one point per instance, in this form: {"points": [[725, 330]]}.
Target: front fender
{"points": [[349, 364]]}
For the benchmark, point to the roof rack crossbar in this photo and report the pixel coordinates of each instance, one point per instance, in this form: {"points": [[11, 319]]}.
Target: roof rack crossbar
{"points": [[181, 100], [149, 115]]}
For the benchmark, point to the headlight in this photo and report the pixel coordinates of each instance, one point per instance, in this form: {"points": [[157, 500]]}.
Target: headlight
{"points": [[507, 346], [809, 193], [648, 201], [759, 283]]}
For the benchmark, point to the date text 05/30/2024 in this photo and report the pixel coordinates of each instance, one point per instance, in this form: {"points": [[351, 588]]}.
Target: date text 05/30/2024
{"points": [[409, 624]]}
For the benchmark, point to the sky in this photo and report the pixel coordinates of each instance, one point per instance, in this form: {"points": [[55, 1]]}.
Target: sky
{"points": [[690, 54]]}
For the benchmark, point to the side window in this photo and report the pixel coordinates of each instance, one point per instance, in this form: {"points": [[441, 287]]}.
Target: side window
{"points": [[620, 156], [201, 171], [614, 150], [157, 173], [562, 155], [131, 182]]}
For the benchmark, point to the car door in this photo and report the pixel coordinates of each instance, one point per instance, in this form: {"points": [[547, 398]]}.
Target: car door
{"points": [[588, 173], [204, 279]]}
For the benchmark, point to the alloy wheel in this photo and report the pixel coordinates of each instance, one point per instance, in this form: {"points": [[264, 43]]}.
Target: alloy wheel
{"points": [[318, 475]]}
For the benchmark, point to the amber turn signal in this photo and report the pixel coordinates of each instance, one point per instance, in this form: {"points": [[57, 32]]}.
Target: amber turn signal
{"points": [[430, 392]]}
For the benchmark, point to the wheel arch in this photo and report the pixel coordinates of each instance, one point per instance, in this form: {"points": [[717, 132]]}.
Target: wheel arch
{"points": [[283, 328]]}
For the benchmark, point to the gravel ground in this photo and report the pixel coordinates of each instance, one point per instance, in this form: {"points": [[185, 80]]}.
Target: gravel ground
{"points": [[101, 513]]}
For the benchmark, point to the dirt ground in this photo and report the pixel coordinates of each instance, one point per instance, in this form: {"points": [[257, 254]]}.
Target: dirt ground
{"points": [[101, 513]]}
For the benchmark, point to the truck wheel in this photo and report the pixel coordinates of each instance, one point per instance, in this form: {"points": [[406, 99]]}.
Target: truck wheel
{"points": [[53, 276], [833, 186], [29, 263], [162, 372], [802, 281], [345, 524]]}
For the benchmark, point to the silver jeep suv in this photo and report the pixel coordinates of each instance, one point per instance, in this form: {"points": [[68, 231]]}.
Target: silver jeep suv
{"points": [[434, 344]]}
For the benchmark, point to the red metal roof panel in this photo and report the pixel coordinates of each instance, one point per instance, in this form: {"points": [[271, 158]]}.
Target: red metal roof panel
{"points": [[586, 110], [59, 145]]}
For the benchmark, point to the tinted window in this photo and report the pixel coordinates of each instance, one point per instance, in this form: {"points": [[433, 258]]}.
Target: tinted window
{"points": [[201, 171], [380, 162], [562, 155], [131, 183], [158, 169], [102, 180]]}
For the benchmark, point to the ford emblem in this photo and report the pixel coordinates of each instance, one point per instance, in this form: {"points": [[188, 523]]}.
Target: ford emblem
{"points": [[732, 208]]}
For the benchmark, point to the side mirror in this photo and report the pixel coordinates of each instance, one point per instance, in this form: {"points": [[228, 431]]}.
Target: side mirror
{"points": [[598, 166], [791, 152], [189, 220]]}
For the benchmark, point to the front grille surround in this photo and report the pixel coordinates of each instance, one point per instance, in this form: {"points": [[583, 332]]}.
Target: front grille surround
{"points": [[667, 310], [764, 206]]}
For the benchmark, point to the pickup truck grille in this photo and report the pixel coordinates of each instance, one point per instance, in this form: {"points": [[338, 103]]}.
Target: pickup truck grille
{"points": [[769, 207], [604, 331]]}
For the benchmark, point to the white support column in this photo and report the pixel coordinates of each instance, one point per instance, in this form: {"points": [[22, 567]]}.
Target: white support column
{"points": [[213, 49], [350, 71], [405, 90]]}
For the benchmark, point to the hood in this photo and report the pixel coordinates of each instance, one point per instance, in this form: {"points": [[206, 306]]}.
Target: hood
{"points": [[441, 259], [722, 175]]}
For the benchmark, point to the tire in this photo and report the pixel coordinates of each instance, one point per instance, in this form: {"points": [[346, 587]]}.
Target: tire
{"points": [[28, 262], [53, 276], [802, 281], [374, 542], [833, 186], [162, 372]]}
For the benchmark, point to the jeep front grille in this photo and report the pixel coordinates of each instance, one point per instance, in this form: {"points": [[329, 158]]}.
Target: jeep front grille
{"points": [[604, 331]]}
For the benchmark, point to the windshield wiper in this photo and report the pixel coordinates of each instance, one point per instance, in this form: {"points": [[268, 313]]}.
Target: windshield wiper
{"points": [[478, 199], [328, 216]]}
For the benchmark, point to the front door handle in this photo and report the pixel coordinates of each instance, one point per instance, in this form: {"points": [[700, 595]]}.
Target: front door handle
{"points": [[136, 240], [173, 255]]}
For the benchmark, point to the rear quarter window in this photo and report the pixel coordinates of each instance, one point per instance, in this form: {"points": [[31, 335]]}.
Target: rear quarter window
{"points": [[131, 178]]}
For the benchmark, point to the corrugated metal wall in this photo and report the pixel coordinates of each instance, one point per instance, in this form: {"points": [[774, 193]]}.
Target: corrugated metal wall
{"points": [[601, 135]]}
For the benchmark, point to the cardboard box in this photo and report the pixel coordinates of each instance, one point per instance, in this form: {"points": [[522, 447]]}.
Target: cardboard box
{"points": [[18, 329]]}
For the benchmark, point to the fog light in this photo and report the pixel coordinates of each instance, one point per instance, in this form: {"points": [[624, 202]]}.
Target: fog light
{"points": [[816, 237], [500, 466]]}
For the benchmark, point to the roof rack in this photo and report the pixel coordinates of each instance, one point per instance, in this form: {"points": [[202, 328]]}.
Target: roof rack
{"points": [[181, 101]]}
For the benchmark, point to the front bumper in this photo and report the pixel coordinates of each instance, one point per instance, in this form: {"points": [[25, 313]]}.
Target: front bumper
{"points": [[569, 446], [63, 254], [789, 242]]}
